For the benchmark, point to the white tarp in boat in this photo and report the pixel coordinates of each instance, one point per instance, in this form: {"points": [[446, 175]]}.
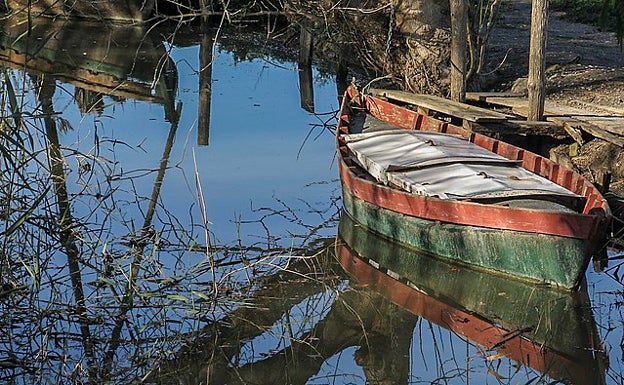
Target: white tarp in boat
{"points": [[445, 166]]}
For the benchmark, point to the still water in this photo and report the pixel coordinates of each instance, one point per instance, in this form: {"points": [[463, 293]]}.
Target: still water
{"points": [[131, 253]]}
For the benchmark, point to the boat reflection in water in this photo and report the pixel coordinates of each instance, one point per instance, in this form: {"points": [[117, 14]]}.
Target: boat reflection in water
{"points": [[549, 331]]}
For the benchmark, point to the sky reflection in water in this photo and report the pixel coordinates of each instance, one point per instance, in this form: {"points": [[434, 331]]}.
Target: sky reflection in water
{"points": [[263, 145]]}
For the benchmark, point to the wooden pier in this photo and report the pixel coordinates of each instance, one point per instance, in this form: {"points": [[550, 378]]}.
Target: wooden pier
{"points": [[511, 110], [603, 122]]}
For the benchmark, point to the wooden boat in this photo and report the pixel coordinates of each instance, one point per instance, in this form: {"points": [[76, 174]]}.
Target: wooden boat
{"points": [[551, 331], [466, 197]]}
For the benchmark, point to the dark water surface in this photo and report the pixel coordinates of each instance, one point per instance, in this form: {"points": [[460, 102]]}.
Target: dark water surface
{"points": [[134, 252]]}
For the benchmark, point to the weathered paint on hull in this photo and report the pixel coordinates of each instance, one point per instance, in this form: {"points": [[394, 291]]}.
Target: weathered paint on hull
{"points": [[538, 258]]}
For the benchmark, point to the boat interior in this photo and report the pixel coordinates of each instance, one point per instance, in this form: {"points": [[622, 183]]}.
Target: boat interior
{"points": [[448, 166]]}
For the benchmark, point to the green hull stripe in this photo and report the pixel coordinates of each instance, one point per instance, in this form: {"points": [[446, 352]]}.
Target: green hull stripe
{"points": [[533, 257]]}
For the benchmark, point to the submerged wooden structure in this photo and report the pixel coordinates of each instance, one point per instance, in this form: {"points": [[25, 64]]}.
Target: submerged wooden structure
{"points": [[547, 330], [119, 61], [526, 231]]}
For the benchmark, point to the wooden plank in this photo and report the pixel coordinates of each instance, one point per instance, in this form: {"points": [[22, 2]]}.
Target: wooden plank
{"points": [[510, 99], [574, 132], [510, 102], [599, 132], [556, 109], [521, 107], [523, 127], [610, 109], [571, 126], [445, 106], [483, 96], [613, 125], [606, 127], [550, 109]]}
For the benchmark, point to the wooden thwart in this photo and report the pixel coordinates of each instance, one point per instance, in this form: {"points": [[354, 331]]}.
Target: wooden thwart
{"points": [[448, 107]]}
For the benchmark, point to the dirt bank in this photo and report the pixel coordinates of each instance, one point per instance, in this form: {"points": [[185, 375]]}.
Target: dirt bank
{"points": [[585, 69], [583, 63]]}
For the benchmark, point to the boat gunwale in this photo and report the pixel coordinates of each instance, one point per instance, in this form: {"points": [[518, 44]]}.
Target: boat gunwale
{"points": [[587, 225]]}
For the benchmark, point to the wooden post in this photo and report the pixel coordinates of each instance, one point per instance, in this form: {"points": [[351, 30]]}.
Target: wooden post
{"points": [[458, 50], [306, 89], [537, 59], [205, 84], [603, 180], [88, 101]]}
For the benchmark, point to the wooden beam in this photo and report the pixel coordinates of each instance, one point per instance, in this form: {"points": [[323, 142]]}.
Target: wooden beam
{"points": [[205, 83], [481, 97], [537, 59], [306, 86], [445, 106], [458, 50], [571, 118], [600, 133], [574, 132], [610, 109]]}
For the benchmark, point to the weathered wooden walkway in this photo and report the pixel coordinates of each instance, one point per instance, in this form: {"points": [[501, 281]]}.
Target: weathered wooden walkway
{"points": [[427, 104], [597, 121], [602, 122]]}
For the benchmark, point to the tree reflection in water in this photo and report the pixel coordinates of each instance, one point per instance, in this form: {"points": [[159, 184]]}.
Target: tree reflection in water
{"points": [[101, 282], [104, 297], [502, 330], [92, 292], [337, 320]]}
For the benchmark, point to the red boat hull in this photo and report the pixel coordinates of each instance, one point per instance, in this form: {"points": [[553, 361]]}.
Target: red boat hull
{"points": [[583, 231]]}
